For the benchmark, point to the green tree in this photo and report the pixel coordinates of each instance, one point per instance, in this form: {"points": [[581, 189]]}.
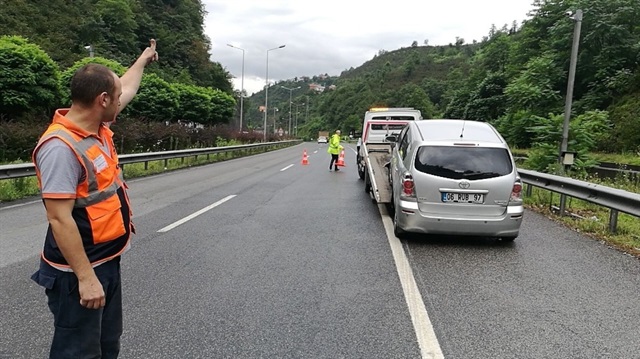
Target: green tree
{"points": [[29, 79], [118, 25], [533, 90], [585, 131], [194, 103], [412, 95], [625, 135], [488, 101], [222, 106], [156, 100]]}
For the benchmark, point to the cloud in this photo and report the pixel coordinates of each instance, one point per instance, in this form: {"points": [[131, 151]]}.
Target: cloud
{"points": [[332, 36]]}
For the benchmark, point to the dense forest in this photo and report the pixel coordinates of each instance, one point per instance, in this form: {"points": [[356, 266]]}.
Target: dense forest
{"points": [[515, 77]]}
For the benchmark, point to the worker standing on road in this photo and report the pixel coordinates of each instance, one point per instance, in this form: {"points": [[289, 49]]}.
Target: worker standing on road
{"points": [[334, 149], [88, 211]]}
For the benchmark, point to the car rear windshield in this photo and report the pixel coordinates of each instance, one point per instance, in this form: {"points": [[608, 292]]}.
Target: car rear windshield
{"points": [[470, 163]]}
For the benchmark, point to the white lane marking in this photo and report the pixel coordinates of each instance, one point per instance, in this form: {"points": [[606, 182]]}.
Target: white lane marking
{"points": [[427, 340], [316, 151], [286, 168], [19, 205], [196, 214]]}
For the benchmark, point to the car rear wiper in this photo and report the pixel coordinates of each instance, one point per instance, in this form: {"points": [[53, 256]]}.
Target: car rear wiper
{"points": [[480, 175]]}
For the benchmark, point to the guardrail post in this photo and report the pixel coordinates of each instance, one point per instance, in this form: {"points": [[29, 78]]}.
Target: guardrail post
{"points": [[563, 204], [529, 190], [146, 165], [166, 163], [613, 221]]}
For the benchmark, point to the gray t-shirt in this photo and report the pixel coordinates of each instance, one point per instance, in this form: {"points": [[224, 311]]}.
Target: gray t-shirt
{"points": [[60, 170]]}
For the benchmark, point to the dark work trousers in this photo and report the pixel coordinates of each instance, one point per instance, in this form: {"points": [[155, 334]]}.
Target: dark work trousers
{"points": [[334, 159], [81, 332]]}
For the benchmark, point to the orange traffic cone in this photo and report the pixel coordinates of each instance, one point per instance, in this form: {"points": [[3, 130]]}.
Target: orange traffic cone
{"points": [[341, 159], [305, 158]]}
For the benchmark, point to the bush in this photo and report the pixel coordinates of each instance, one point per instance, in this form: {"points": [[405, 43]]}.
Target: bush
{"points": [[29, 79]]}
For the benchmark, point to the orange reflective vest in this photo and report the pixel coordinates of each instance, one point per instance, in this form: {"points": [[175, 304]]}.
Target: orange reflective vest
{"points": [[101, 211]]}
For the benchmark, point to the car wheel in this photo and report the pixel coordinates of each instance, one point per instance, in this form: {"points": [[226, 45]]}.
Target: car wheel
{"points": [[399, 232], [367, 182], [360, 169]]}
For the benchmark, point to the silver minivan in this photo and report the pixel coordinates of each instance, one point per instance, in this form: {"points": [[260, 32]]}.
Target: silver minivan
{"points": [[454, 177]]}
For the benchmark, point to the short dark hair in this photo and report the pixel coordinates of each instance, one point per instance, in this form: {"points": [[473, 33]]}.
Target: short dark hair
{"points": [[89, 81]]}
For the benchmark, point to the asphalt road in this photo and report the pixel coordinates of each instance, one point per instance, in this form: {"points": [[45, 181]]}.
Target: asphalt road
{"points": [[273, 259]]}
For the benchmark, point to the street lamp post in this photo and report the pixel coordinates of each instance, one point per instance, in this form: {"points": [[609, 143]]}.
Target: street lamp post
{"points": [[266, 93], [241, 86], [290, 104], [572, 73]]}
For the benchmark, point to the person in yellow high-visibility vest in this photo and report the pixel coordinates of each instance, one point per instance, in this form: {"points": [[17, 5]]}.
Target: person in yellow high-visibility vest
{"points": [[334, 149]]}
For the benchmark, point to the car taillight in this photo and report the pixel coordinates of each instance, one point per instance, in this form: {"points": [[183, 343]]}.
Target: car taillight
{"points": [[408, 185], [516, 192]]}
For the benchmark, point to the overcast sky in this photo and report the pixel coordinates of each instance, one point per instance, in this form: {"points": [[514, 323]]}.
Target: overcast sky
{"points": [[331, 36]]}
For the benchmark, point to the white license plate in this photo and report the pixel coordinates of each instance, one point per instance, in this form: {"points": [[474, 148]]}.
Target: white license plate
{"points": [[462, 197]]}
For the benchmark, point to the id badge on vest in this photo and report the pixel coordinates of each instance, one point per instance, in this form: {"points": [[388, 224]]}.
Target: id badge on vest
{"points": [[100, 163]]}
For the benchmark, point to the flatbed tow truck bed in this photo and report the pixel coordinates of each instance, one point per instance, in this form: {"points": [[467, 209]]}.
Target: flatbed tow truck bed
{"points": [[378, 157]]}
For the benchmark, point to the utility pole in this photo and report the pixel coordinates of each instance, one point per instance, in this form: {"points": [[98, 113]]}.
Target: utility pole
{"points": [[577, 17]]}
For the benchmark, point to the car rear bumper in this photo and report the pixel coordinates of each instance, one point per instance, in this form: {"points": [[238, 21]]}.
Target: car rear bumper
{"points": [[410, 219]]}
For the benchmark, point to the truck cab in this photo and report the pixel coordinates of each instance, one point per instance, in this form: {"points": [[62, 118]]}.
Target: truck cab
{"points": [[374, 149]]}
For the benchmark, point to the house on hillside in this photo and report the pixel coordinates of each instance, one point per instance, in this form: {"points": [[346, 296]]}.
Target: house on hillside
{"points": [[316, 87]]}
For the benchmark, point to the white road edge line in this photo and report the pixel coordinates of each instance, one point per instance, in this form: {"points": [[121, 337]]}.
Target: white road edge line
{"points": [[19, 205], [286, 168], [427, 340], [194, 215]]}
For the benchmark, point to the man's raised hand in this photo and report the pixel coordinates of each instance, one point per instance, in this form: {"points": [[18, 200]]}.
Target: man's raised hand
{"points": [[150, 54]]}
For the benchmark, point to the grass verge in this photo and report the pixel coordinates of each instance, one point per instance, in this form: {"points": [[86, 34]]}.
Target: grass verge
{"points": [[589, 219]]}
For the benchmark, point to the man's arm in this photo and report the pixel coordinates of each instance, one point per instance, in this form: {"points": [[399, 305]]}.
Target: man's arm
{"points": [[67, 237], [131, 79]]}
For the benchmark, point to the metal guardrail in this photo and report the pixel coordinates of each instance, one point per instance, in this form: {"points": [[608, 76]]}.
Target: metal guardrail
{"points": [[615, 199], [28, 169]]}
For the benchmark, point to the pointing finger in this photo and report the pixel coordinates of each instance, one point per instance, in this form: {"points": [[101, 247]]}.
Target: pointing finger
{"points": [[152, 43]]}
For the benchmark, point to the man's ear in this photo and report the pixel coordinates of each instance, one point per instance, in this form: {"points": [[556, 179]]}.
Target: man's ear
{"points": [[103, 99]]}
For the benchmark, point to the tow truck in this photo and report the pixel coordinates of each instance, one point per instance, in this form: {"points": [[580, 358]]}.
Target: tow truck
{"points": [[374, 150]]}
